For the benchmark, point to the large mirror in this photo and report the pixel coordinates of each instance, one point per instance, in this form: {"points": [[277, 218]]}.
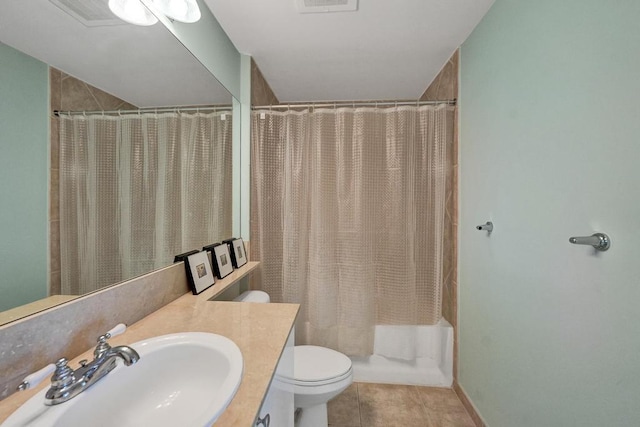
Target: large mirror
{"points": [[135, 168]]}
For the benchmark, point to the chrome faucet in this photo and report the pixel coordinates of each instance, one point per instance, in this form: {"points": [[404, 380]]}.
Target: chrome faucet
{"points": [[67, 383]]}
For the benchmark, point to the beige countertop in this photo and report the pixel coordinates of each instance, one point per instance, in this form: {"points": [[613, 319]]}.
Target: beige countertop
{"points": [[28, 309], [259, 330]]}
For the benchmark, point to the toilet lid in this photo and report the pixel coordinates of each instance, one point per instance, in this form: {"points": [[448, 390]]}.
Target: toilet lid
{"points": [[314, 364]]}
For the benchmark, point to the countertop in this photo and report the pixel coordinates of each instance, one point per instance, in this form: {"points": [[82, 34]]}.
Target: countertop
{"points": [[27, 309], [259, 330]]}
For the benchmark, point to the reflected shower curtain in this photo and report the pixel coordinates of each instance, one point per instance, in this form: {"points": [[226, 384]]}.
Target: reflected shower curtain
{"points": [[347, 217], [135, 190]]}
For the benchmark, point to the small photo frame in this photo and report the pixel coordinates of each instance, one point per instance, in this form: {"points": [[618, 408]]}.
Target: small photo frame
{"points": [[220, 259], [237, 251], [199, 271]]}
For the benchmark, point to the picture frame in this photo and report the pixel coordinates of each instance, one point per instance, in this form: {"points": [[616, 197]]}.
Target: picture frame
{"points": [[220, 259], [199, 270], [237, 251]]}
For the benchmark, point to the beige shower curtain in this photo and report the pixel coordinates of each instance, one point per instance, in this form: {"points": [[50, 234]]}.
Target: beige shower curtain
{"points": [[347, 217], [137, 189]]}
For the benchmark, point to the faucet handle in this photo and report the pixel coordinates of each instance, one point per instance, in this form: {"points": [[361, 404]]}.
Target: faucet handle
{"points": [[103, 346], [115, 331], [36, 378]]}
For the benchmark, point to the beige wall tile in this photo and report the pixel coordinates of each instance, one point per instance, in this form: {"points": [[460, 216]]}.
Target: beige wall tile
{"points": [[54, 142], [107, 101], [445, 87], [55, 82], [445, 84], [76, 95], [54, 197], [54, 246], [55, 283], [261, 93]]}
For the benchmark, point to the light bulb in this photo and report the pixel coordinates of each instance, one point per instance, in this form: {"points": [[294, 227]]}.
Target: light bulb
{"points": [[132, 11], [178, 8]]}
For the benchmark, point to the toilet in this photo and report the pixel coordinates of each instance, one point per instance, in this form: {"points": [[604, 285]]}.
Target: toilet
{"points": [[319, 375]]}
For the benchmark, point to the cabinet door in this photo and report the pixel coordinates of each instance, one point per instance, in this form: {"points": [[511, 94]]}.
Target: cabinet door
{"points": [[277, 409]]}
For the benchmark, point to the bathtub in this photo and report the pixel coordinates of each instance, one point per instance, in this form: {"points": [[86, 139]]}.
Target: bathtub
{"points": [[417, 355]]}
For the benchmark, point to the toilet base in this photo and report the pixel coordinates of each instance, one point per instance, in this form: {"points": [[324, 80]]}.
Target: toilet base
{"points": [[313, 416]]}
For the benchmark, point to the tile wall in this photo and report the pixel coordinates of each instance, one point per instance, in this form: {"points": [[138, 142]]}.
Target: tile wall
{"points": [[261, 93], [66, 93], [445, 87]]}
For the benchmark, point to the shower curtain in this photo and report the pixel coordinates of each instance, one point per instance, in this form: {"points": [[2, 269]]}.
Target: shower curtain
{"points": [[347, 217], [137, 189]]}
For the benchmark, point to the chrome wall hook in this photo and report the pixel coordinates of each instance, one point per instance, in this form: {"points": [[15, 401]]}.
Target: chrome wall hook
{"points": [[486, 227], [599, 241]]}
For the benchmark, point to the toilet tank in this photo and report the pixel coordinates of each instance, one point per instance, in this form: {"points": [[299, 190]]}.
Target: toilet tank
{"points": [[253, 296]]}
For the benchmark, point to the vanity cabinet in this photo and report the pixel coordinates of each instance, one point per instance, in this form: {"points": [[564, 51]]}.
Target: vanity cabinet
{"points": [[277, 409]]}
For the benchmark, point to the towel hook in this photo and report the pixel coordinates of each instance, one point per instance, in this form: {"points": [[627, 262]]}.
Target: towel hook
{"points": [[486, 227], [599, 241]]}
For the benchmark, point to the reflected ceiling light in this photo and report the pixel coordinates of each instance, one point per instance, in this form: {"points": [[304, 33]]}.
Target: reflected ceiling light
{"points": [[181, 10], [132, 11]]}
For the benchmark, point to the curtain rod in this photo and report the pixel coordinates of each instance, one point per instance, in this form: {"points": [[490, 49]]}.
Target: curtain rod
{"points": [[354, 104], [58, 113]]}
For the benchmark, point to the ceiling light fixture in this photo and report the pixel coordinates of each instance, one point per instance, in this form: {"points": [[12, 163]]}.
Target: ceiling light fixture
{"points": [[133, 12], [186, 11]]}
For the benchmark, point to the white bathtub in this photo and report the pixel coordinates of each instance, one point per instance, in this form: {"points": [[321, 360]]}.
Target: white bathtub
{"points": [[417, 355]]}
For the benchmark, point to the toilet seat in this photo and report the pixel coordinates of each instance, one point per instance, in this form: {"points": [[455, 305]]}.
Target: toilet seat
{"points": [[303, 384], [320, 374], [316, 366]]}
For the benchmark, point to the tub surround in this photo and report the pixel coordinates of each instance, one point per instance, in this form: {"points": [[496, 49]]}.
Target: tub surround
{"points": [[445, 86], [67, 93], [259, 330], [29, 344]]}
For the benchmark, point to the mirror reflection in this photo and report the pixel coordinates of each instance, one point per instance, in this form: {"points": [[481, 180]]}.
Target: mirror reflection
{"points": [[134, 169]]}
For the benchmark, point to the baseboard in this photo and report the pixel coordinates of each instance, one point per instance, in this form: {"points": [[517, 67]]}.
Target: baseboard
{"points": [[468, 405]]}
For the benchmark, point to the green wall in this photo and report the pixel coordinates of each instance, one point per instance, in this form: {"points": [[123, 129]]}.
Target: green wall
{"points": [[549, 149], [24, 135]]}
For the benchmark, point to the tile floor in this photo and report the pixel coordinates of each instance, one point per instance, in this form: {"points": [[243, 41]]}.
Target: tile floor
{"points": [[364, 405]]}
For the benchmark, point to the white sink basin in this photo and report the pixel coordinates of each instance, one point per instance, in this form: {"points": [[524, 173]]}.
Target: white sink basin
{"points": [[185, 379]]}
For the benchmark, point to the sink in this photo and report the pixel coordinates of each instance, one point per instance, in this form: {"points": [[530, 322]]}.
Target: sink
{"points": [[185, 379]]}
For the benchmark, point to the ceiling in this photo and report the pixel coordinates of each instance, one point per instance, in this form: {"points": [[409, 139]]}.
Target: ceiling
{"points": [[386, 50], [145, 66]]}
